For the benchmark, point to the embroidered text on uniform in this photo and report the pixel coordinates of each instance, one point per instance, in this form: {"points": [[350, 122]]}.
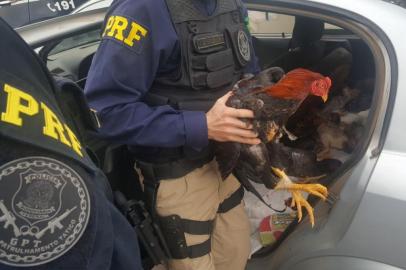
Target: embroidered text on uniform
{"points": [[124, 30], [20, 103]]}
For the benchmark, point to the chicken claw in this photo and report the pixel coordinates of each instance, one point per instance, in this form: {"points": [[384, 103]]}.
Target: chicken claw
{"points": [[295, 189]]}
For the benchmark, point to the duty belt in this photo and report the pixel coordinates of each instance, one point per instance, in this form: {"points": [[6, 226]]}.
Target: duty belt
{"points": [[172, 170]]}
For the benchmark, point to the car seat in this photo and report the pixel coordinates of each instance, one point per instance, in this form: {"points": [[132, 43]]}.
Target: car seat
{"points": [[305, 48]]}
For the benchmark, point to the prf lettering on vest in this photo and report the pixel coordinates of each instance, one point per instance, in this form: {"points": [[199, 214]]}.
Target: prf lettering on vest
{"points": [[21, 105], [123, 30]]}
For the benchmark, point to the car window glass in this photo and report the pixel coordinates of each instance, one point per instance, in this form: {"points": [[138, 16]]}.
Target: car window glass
{"points": [[76, 41], [263, 22], [328, 26]]}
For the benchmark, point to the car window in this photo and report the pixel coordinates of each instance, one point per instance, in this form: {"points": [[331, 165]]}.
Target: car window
{"points": [[76, 41], [264, 22], [401, 3]]}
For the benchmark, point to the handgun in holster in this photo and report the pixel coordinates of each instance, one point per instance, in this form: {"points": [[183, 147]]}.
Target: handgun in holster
{"points": [[147, 230]]}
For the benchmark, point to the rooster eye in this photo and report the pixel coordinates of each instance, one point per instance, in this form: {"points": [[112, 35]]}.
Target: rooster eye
{"points": [[319, 86]]}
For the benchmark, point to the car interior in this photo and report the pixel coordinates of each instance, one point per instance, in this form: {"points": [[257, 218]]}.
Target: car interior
{"points": [[335, 131]]}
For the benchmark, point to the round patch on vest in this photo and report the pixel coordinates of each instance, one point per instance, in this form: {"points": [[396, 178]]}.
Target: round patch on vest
{"points": [[44, 210], [244, 45]]}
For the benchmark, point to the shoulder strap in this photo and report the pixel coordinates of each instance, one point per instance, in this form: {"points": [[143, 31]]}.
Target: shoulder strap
{"points": [[185, 10]]}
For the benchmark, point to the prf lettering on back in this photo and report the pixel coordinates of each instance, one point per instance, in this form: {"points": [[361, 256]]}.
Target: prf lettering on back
{"points": [[123, 30], [16, 106], [21, 105]]}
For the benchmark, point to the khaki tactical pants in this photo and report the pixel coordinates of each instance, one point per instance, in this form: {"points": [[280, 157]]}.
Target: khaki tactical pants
{"points": [[197, 196]]}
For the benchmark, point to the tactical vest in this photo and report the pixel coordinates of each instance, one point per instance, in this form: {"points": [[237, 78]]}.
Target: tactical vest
{"points": [[214, 50]]}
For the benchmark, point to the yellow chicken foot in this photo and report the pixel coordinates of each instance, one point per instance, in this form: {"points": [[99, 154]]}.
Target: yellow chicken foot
{"points": [[295, 189]]}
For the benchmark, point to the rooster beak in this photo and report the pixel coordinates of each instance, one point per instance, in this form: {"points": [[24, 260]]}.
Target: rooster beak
{"points": [[324, 97]]}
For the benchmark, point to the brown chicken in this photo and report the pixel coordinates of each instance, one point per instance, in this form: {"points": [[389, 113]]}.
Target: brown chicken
{"points": [[273, 102]]}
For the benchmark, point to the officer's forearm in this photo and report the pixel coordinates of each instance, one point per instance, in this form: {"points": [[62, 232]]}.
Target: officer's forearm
{"points": [[138, 124]]}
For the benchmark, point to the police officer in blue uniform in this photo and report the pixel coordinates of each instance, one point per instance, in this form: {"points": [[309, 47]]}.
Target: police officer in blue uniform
{"points": [[56, 210], [159, 83]]}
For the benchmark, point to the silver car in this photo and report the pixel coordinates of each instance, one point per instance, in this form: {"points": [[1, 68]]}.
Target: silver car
{"points": [[361, 226]]}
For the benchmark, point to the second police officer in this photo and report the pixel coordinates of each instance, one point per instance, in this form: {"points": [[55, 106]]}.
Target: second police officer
{"points": [[159, 82]]}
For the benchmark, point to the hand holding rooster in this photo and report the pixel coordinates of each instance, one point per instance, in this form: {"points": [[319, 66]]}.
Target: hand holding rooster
{"points": [[224, 123]]}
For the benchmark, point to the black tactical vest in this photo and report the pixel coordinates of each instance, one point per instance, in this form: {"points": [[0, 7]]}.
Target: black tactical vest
{"points": [[214, 50]]}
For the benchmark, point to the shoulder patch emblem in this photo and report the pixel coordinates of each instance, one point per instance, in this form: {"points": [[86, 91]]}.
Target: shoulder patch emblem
{"points": [[44, 210], [244, 45], [125, 31]]}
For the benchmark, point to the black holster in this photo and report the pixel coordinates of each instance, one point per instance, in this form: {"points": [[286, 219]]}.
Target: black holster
{"points": [[147, 230], [174, 227]]}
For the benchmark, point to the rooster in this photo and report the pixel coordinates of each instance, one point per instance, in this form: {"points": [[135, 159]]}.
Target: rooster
{"points": [[273, 97]]}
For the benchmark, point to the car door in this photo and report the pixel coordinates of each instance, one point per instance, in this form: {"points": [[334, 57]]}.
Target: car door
{"points": [[45, 9], [15, 13]]}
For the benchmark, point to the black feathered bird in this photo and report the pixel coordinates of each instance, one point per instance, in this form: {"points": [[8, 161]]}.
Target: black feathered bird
{"points": [[273, 97]]}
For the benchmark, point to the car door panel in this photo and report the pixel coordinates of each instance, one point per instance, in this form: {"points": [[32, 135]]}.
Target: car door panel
{"points": [[15, 14], [45, 9]]}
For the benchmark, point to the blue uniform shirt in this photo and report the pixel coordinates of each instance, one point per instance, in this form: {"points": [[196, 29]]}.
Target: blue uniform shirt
{"points": [[140, 43]]}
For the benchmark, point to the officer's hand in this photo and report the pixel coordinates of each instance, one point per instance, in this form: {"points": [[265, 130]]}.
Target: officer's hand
{"points": [[224, 124]]}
